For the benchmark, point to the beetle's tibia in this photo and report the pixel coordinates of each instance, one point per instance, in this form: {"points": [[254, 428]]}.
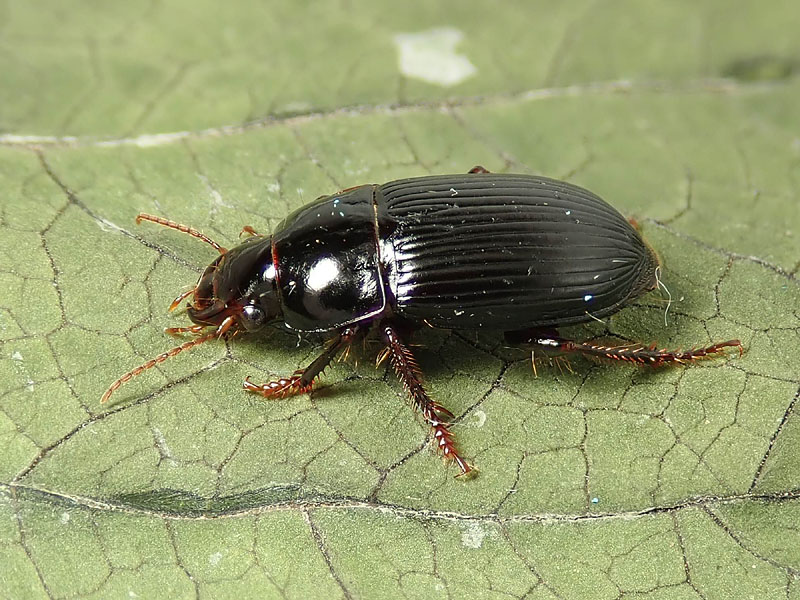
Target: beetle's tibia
{"points": [[407, 369]]}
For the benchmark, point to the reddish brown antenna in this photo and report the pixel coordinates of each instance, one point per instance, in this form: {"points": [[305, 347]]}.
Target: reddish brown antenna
{"points": [[184, 228], [226, 324], [153, 362]]}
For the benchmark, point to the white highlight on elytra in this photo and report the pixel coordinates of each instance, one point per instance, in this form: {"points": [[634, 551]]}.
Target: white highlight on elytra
{"points": [[322, 273], [430, 56]]}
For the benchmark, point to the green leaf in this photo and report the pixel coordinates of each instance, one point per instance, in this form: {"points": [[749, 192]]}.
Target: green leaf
{"points": [[607, 482]]}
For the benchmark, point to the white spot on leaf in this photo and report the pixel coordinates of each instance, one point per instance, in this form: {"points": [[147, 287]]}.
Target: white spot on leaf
{"points": [[22, 370], [480, 418], [161, 442], [430, 56], [472, 536], [214, 559]]}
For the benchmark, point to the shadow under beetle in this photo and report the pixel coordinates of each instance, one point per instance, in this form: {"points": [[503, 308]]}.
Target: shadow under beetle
{"points": [[518, 254]]}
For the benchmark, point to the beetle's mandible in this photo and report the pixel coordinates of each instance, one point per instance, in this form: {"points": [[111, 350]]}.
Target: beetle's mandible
{"points": [[517, 254]]}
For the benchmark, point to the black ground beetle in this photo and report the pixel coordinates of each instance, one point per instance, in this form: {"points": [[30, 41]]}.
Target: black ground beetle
{"points": [[517, 254]]}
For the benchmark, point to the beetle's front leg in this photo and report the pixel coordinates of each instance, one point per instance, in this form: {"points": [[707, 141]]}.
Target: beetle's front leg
{"points": [[249, 231], [550, 344], [302, 381], [407, 369]]}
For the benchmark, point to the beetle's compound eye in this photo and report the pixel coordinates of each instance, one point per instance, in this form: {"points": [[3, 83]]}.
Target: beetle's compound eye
{"points": [[252, 317]]}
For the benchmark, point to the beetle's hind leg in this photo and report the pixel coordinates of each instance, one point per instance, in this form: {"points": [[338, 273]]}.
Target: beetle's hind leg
{"points": [[302, 381], [435, 415], [549, 343]]}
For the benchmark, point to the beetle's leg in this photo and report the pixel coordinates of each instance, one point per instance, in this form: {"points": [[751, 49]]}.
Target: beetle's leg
{"points": [[247, 229], [552, 345], [181, 297], [407, 369], [478, 169], [302, 381], [193, 329]]}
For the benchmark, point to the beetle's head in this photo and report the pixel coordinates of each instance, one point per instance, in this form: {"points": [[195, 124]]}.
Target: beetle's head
{"points": [[237, 290]]}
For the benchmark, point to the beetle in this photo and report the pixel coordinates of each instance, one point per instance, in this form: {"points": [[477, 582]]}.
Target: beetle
{"points": [[517, 254]]}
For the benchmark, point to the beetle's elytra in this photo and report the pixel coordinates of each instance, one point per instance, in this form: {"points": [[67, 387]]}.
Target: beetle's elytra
{"points": [[516, 254]]}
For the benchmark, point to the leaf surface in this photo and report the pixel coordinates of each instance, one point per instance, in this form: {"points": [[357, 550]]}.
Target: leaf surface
{"points": [[603, 481]]}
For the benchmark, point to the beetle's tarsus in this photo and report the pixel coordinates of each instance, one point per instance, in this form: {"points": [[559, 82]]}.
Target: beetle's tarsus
{"points": [[303, 380], [280, 388], [652, 355], [435, 415]]}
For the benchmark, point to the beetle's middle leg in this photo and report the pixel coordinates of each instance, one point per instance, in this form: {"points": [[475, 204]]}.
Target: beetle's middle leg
{"points": [[435, 415], [549, 343], [302, 381]]}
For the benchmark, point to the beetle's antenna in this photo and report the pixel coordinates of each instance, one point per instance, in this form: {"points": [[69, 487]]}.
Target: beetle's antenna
{"points": [[153, 362], [223, 328], [661, 284], [184, 228]]}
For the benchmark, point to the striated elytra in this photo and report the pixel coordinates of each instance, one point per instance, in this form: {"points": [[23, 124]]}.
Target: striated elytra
{"points": [[517, 254]]}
